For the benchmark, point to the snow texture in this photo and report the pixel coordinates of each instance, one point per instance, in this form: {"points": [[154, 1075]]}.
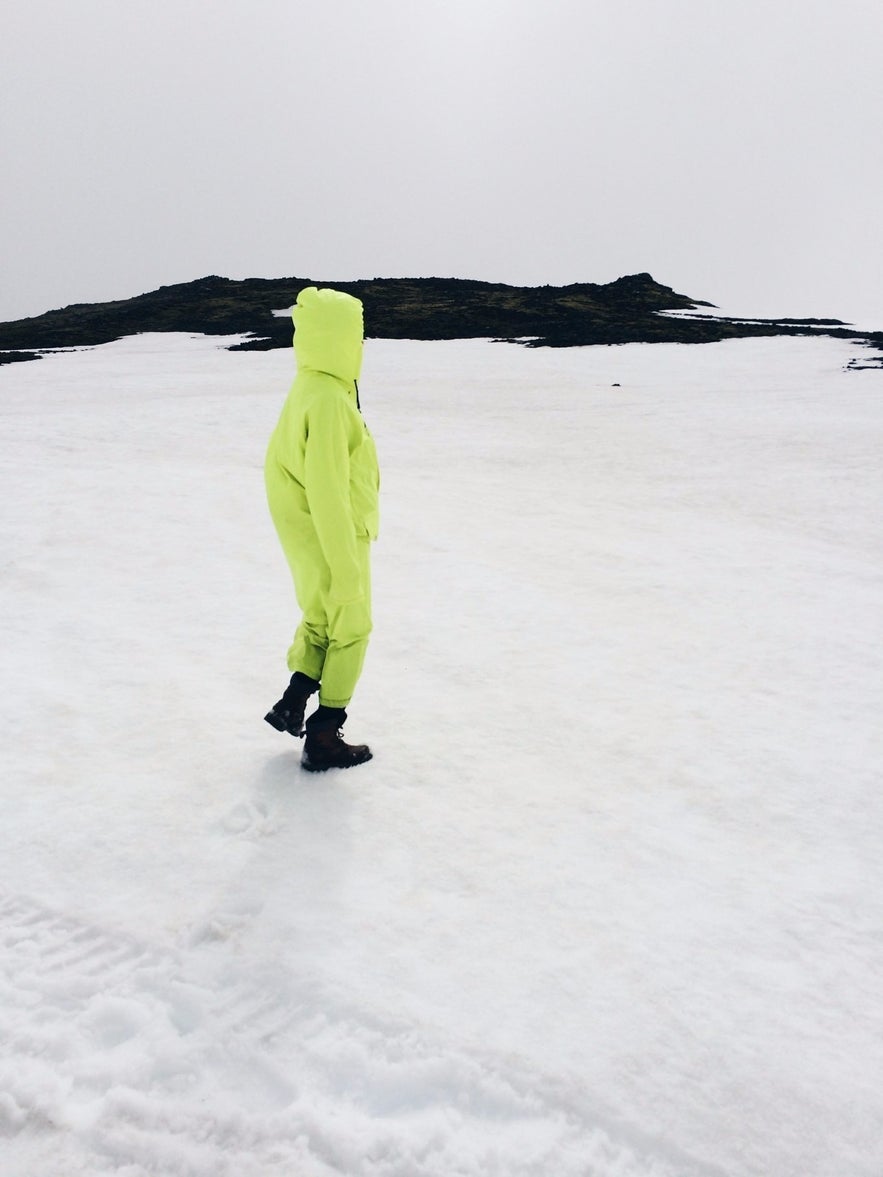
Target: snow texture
{"points": [[608, 902]]}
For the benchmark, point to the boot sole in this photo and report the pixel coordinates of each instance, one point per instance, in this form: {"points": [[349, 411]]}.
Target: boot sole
{"points": [[308, 766]]}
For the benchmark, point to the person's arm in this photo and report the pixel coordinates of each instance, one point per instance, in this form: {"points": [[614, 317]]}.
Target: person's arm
{"points": [[327, 484]]}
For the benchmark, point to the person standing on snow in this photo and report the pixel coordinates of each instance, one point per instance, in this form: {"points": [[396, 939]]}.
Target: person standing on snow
{"points": [[322, 484]]}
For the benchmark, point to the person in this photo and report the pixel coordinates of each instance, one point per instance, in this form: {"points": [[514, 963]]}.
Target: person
{"points": [[322, 483]]}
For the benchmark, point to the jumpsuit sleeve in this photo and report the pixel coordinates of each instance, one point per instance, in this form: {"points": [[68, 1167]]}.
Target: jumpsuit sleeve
{"points": [[327, 485]]}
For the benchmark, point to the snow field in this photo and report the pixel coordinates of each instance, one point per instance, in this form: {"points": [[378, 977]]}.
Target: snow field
{"points": [[608, 898]]}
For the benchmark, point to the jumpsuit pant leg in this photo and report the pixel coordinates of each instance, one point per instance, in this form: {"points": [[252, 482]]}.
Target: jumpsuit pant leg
{"points": [[330, 643]]}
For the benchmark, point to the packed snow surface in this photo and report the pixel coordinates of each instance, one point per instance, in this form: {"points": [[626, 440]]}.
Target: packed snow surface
{"points": [[608, 901]]}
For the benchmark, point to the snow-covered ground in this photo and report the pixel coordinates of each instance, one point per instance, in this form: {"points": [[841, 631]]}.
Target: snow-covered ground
{"points": [[608, 902]]}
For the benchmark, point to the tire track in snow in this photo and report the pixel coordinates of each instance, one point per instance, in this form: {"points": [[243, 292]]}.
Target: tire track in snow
{"points": [[152, 1063]]}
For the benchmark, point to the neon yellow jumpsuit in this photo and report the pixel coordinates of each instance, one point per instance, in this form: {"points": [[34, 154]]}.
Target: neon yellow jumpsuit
{"points": [[322, 488]]}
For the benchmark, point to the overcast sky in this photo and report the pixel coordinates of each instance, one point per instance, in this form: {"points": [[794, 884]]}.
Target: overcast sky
{"points": [[733, 148]]}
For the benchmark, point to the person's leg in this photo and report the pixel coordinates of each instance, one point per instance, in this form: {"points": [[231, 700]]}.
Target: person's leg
{"points": [[348, 628], [306, 654]]}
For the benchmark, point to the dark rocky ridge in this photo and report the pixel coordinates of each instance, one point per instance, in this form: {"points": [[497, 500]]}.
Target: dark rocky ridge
{"points": [[624, 311]]}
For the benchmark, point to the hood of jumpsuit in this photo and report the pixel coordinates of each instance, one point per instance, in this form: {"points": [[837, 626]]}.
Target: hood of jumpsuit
{"points": [[328, 334]]}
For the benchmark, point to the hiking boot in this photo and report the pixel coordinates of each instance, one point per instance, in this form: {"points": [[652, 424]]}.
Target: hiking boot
{"points": [[324, 746], [288, 714]]}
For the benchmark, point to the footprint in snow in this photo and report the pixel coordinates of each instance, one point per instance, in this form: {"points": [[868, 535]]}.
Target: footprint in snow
{"points": [[249, 819]]}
